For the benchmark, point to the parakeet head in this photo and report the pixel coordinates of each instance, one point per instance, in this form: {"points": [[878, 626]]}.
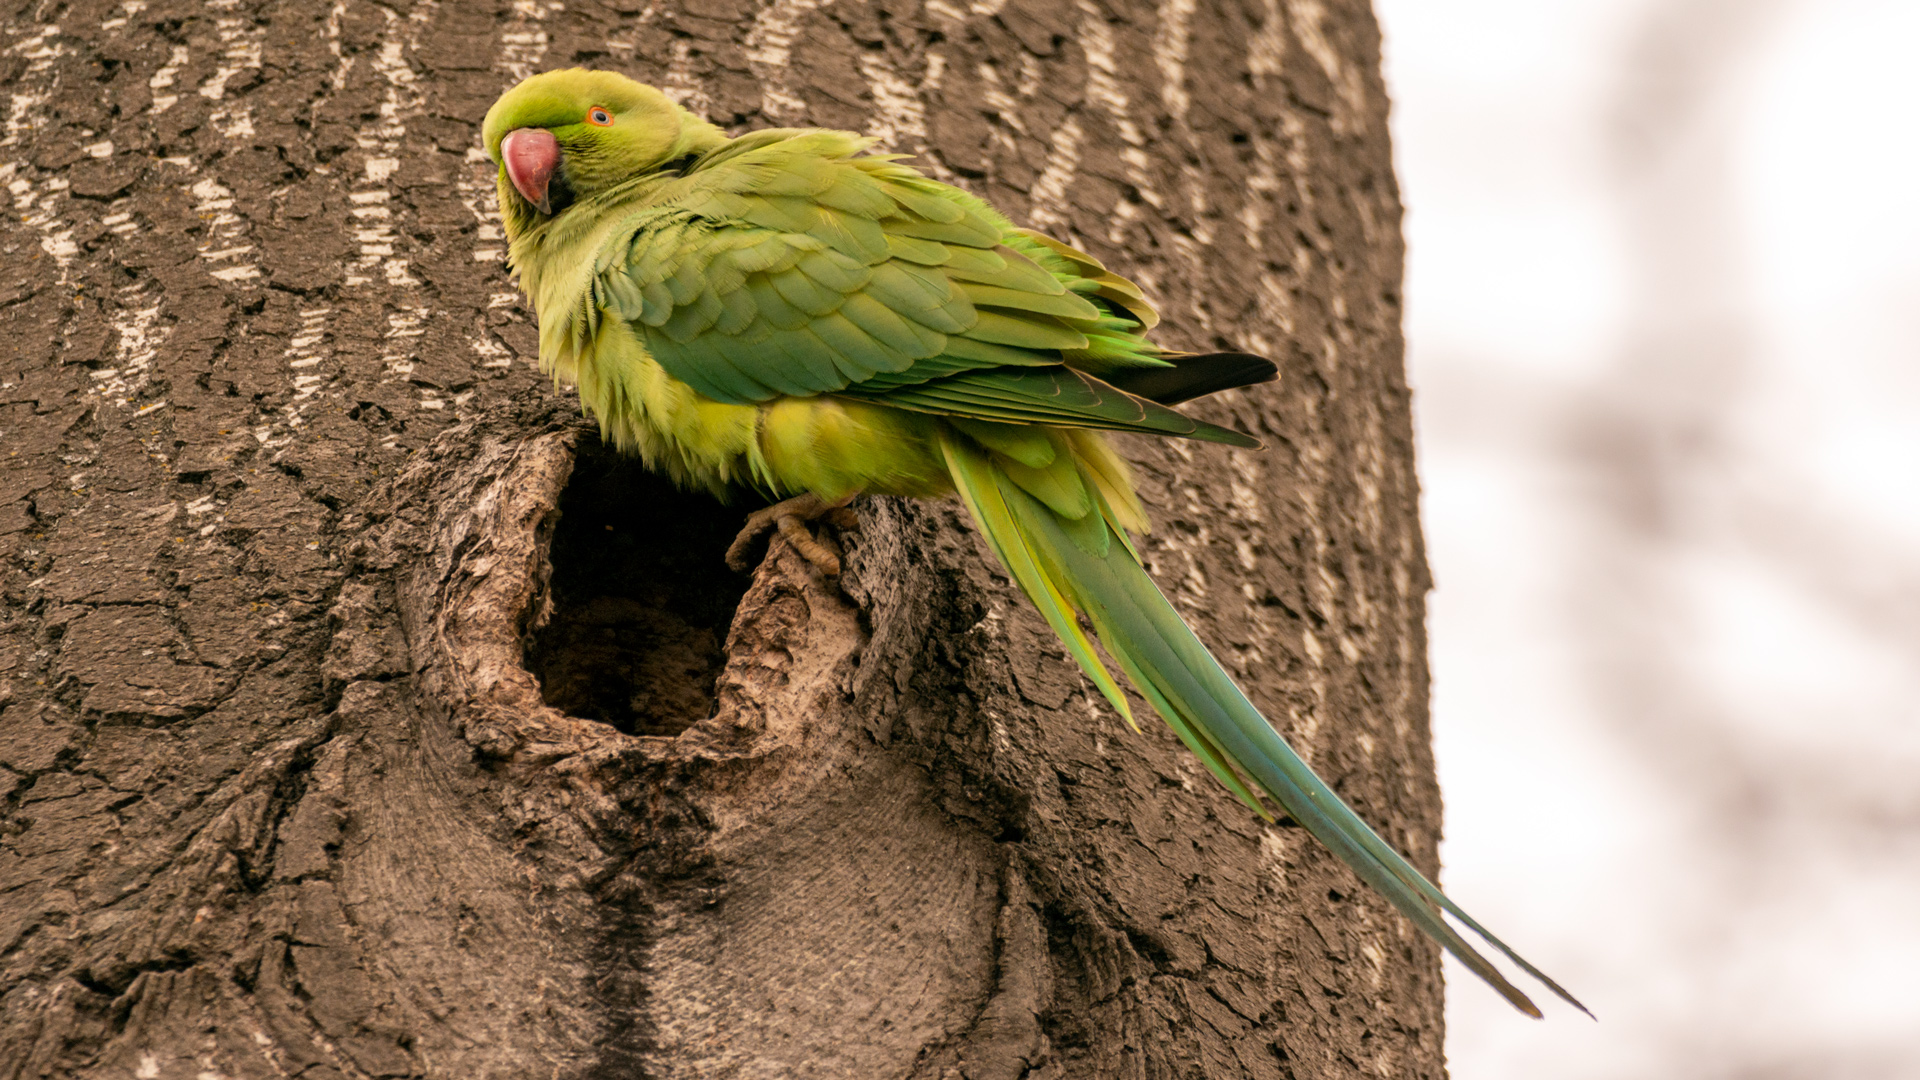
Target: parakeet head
{"points": [[563, 136]]}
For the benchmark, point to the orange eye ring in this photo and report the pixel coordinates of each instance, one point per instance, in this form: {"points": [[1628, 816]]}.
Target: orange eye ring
{"points": [[599, 117]]}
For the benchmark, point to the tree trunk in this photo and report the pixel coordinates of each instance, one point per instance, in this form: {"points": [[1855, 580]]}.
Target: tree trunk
{"points": [[295, 535]]}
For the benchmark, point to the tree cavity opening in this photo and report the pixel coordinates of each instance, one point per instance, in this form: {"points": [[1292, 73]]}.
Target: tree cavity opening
{"points": [[642, 597]]}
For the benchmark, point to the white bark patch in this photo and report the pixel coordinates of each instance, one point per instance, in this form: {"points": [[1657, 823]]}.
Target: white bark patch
{"points": [[120, 222], [37, 206], [478, 192], [1030, 75], [900, 112], [1376, 976], [337, 78], [1006, 104], [1267, 48], [994, 92], [227, 257], [1103, 89], [1247, 512], [241, 43], [163, 79], [1185, 584], [524, 42], [1049, 197], [306, 351], [140, 335], [492, 354], [1275, 304], [1410, 690], [1172, 37], [1244, 503], [1306, 725], [402, 327], [769, 50], [1307, 18], [1276, 850], [381, 141], [682, 85], [1125, 213], [1103, 86], [1262, 187], [1172, 43], [128, 11], [380, 145], [623, 48], [522, 49], [958, 13], [1195, 186]]}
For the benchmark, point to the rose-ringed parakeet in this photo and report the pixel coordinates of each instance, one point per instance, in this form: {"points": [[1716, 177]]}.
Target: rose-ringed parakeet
{"points": [[786, 312]]}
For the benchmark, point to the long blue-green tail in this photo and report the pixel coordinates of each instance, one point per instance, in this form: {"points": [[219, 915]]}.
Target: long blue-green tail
{"points": [[1066, 565]]}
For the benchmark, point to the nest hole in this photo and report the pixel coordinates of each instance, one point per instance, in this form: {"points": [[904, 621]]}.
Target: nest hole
{"points": [[642, 597]]}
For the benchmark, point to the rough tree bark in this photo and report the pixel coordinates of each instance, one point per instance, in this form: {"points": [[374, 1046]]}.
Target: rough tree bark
{"points": [[282, 795]]}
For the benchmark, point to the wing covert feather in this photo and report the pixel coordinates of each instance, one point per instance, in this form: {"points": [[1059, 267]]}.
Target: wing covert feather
{"points": [[785, 265]]}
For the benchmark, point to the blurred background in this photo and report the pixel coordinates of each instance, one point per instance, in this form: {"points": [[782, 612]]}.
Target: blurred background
{"points": [[1664, 333]]}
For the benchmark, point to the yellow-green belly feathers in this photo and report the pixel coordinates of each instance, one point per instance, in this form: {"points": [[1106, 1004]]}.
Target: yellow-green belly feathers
{"points": [[828, 445]]}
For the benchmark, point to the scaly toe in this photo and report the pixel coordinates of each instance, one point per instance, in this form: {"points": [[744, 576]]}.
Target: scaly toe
{"points": [[804, 542], [799, 508]]}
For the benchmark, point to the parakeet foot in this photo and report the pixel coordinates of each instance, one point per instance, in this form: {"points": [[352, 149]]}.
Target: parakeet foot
{"points": [[789, 517]]}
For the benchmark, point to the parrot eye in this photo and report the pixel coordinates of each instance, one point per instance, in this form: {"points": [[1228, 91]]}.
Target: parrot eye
{"points": [[599, 117]]}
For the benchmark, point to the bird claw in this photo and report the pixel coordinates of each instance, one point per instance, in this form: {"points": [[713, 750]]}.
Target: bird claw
{"points": [[789, 519]]}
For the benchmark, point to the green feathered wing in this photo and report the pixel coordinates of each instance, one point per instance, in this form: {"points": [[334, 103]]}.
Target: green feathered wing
{"points": [[783, 265]]}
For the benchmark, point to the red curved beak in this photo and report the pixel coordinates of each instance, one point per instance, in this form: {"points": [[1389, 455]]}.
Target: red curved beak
{"points": [[531, 155]]}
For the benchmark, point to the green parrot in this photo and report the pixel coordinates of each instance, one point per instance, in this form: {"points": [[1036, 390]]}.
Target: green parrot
{"points": [[786, 312]]}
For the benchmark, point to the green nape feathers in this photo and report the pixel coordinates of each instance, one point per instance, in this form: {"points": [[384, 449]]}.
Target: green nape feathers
{"points": [[787, 311]]}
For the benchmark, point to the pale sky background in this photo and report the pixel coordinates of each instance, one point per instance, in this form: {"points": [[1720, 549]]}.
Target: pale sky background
{"points": [[1664, 334]]}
